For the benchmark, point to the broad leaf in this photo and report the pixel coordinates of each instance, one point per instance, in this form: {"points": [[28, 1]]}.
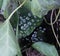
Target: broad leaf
{"points": [[38, 8], [47, 49], [41, 7], [8, 42], [28, 22]]}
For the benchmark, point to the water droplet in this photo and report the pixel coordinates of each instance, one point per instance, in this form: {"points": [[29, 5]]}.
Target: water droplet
{"points": [[22, 27], [27, 18], [21, 17], [35, 32], [29, 23], [40, 27], [34, 35], [24, 20], [35, 16], [29, 14], [32, 20], [14, 29], [44, 29], [36, 39], [25, 25]]}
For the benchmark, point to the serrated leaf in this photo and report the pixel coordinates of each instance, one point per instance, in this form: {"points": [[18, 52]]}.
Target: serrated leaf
{"points": [[46, 49], [8, 42]]}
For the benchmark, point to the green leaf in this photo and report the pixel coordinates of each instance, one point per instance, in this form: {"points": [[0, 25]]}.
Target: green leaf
{"points": [[41, 7], [27, 4], [8, 41], [1, 1], [4, 8], [14, 19], [27, 23], [46, 49], [38, 8], [7, 7]]}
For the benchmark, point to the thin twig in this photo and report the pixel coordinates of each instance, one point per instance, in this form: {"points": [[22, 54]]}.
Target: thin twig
{"points": [[16, 10], [54, 20], [53, 27]]}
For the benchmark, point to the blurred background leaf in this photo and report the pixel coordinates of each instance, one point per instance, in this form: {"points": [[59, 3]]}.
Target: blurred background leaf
{"points": [[41, 7], [46, 49]]}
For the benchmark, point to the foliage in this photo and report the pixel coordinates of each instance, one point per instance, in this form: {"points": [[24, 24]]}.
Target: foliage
{"points": [[8, 41], [47, 49], [31, 16]]}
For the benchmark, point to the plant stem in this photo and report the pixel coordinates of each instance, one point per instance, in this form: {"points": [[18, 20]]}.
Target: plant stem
{"points": [[52, 22], [56, 37], [16, 10]]}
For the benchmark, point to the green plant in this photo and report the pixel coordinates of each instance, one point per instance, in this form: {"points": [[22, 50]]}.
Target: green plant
{"points": [[10, 10]]}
